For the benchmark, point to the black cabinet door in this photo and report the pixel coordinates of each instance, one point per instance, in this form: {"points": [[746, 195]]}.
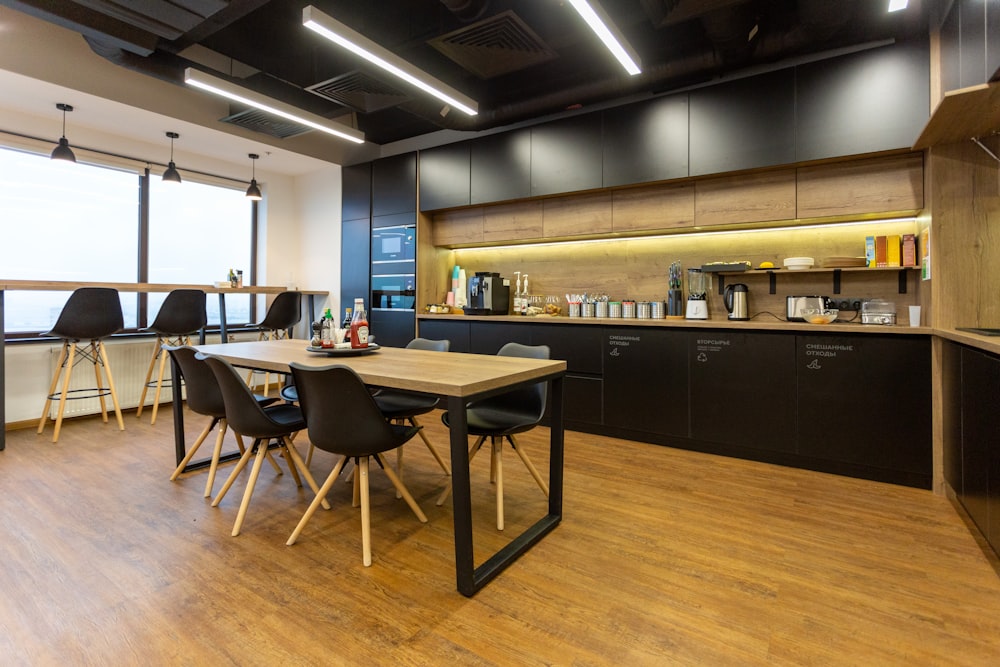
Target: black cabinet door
{"points": [[566, 155], [743, 389], [489, 337], [646, 380], [951, 413], [355, 254], [356, 192], [743, 124], [992, 40], [980, 440], [579, 346], [864, 102], [583, 400], [457, 333], [866, 400], [951, 57], [500, 166], [444, 177], [392, 328], [973, 49], [394, 184], [646, 142]]}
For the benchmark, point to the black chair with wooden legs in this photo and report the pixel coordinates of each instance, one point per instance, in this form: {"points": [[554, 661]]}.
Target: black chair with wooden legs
{"points": [[502, 417], [405, 406], [90, 315], [246, 416], [343, 419], [283, 314], [181, 315], [205, 398]]}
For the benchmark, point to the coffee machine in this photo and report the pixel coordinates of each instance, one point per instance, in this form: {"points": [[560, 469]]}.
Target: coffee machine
{"points": [[488, 295]]}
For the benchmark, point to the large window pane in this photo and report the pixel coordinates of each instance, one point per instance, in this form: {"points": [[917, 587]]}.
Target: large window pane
{"points": [[197, 233], [64, 221]]}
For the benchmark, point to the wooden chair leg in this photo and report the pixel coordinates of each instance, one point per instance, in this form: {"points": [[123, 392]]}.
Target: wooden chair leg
{"points": [[401, 489], [529, 465], [240, 465], [366, 512], [149, 373], [295, 462], [251, 483], [194, 448], [52, 387], [399, 468], [472, 453], [497, 447], [159, 386], [100, 382], [357, 491], [65, 389], [314, 505], [434, 451], [111, 385], [213, 466]]}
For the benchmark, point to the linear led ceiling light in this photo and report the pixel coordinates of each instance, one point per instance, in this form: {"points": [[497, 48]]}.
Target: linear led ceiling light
{"points": [[355, 42], [270, 105], [601, 24], [896, 5]]}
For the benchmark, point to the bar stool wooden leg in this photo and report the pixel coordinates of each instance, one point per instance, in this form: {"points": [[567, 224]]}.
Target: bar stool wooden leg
{"points": [[65, 389], [159, 386], [111, 385], [100, 382], [149, 373], [52, 387]]}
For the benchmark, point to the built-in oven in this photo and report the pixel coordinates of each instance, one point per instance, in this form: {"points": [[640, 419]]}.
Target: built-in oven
{"points": [[394, 292], [394, 244]]}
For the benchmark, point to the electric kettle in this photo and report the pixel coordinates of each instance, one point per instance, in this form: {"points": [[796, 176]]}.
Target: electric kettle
{"points": [[735, 299]]}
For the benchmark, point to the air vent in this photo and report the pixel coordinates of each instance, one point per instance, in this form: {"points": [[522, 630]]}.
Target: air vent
{"points": [[498, 45], [258, 121], [360, 92]]}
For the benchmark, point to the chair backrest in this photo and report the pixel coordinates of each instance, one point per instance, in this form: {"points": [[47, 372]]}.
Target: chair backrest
{"points": [[528, 401], [243, 412], [182, 312], [428, 344], [341, 414], [203, 393], [285, 311], [91, 313]]}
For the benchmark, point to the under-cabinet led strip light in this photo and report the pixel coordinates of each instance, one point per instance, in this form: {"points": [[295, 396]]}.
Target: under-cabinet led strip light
{"points": [[603, 27], [229, 90], [355, 42]]}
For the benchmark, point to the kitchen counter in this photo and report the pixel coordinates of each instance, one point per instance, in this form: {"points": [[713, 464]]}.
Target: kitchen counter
{"points": [[751, 325], [985, 343]]}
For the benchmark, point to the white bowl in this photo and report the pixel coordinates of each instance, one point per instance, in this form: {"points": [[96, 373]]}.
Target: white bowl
{"points": [[797, 263]]}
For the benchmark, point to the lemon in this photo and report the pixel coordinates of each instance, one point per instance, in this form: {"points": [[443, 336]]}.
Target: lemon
{"points": [[767, 265]]}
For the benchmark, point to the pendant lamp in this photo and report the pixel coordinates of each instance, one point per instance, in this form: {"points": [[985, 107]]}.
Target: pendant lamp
{"points": [[253, 192], [171, 175], [62, 151]]}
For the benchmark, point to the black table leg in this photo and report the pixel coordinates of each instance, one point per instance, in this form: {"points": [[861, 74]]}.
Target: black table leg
{"points": [[461, 496], [177, 394], [223, 330]]}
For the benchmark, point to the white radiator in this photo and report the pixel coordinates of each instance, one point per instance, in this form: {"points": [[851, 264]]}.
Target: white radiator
{"points": [[128, 363]]}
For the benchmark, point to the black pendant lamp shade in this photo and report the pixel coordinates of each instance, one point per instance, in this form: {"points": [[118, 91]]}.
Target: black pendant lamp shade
{"points": [[171, 175], [62, 151], [253, 192]]}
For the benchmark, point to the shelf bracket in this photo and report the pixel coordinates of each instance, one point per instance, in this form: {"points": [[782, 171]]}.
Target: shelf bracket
{"points": [[773, 280], [902, 281], [722, 284], [836, 281], [985, 148]]}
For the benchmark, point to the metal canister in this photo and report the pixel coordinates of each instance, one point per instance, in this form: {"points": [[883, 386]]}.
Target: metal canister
{"points": [[643, 310], [614, 309], [587, 309], [657, 310], [601, 309], [574, 309], [628, 309]]}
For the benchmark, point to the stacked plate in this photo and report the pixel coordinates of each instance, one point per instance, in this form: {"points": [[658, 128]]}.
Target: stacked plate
{"points": [[798, 263], [844, 262]]}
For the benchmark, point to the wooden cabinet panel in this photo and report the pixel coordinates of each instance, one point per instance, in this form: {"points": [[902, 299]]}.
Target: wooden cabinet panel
{"points": [[566, 155], [865, 186], [653, 208], [501, 167], [444, 177], [576, 216], [458, 227], [746, 198], [394, 184], [513, 222], [646, 142], [356, 191]]}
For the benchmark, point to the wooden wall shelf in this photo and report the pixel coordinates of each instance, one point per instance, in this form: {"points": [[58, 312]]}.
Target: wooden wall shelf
{"points": [[772, 275]]}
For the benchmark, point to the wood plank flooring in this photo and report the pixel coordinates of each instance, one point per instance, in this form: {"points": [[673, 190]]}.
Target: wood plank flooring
{"points": [[664, 557]]}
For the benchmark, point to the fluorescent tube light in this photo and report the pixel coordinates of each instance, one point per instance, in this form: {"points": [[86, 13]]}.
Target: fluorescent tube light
{"points": [[601, 24], [896, 5], [224, 88], [355, 42]]}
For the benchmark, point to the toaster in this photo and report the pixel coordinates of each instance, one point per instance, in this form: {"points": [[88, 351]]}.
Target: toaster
{"points": [[795, 305]]}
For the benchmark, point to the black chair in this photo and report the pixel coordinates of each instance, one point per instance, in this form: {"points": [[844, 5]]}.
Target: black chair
{"points": [[205, 398], [246, 416], [501, 418], [182, 314], [343, 419], [90, 315], [405, 406], [283, 314]]}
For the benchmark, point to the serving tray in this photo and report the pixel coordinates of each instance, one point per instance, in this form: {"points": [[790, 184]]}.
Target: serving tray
{"points": [[345, 352]]}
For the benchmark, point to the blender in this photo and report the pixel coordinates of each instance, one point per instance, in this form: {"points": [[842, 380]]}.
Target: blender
{"points": [[697, 303]]}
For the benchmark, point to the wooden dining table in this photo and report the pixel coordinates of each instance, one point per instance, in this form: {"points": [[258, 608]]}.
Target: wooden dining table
{"points": [[458, 377]]}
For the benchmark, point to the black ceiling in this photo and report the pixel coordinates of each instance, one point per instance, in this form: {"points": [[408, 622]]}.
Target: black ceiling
{"points": [[520, 59]]}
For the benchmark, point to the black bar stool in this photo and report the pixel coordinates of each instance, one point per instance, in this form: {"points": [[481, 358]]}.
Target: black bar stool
{"points": [[284, 313]]}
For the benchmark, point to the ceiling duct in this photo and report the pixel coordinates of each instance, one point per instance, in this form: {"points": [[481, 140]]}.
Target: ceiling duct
{"points": [[265, 123], [359, 92], [498, 45]]}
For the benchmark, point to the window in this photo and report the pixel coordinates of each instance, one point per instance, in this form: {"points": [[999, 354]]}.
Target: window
{"points": [[79, 222]]}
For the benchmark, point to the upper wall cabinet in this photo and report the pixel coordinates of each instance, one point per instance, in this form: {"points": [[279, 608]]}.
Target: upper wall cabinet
{"points": [[356, 192], [951, 37], [646, 142], [992, 40], [501, 167], [394, 184], [862, 103], [444, 177], [743, 124], [566, 155], [973, 50]]}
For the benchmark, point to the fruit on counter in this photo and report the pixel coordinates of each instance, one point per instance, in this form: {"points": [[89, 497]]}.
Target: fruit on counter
{"points": [[767, 265]]}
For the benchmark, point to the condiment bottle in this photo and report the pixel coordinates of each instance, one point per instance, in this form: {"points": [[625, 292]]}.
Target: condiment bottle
{"points": [[326, 330], [346, 326], [359, 325]]}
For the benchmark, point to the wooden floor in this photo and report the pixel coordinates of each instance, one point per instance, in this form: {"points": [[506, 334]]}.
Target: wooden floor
{"points": [[664, 557]]}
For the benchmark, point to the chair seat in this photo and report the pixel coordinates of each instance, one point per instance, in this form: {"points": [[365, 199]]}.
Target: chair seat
{"points": [[286, 417], [403, 404], [289, 393], [488, 421]]}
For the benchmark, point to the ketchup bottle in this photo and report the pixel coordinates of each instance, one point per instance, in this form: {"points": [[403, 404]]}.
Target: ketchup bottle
{"points": [[359, 325]]}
